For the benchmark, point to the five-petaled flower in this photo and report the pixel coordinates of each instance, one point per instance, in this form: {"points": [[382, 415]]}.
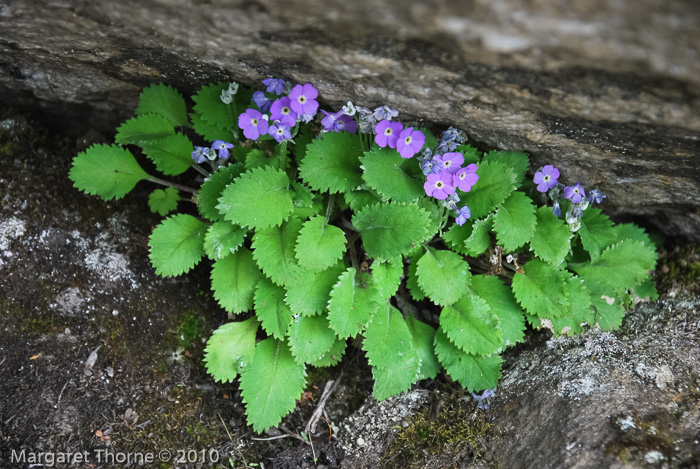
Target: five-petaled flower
{"points": [[387, 133], [439, 185], [222, 147], [574, 193], [410, 142], [281, 110], [274, 85], [303, 99], [595, 196], [199, 155], [547, 178], [465, 178], [279, 131], [253, 124], [451, 162], [262, 101]]}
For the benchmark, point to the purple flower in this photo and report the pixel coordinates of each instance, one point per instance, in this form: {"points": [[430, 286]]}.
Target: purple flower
{"points": [[385, 113], [279, 131], [451, 162], [462, 215], [253, 124], [465, 178], [556, 209], [199, 155], [483, 400], [281, 110], [595, 196], [222, 147], [387, 133], [431, 167], [346, 123], [303, 99], [547, 178], [328, 122], [274, 85], [262, 101], [574, 193], [446, 145], [410, 142], [439, 185]]}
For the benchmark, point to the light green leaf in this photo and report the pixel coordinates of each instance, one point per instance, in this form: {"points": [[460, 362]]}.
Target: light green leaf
{"points": [[607, 303], [354, 301], [260, 198], [332, 162], [596, 231], [496, 182], [541, 289], [163, 201], [310, 295], [646, 290], [234, 279], [333, 356], [143, 129], [163, 100], [230, 348], [270, 308], [210, 191], [107, 171], [443, 275], [386, 277], [423, 340], [517, 161], [472, 326], [172, 155], [222, 239], [456, 236], [391, 229], [514, 222], [471, 154], [210, 107], [480, 239], [271, 384], [319, 244], [471, 371], [580, 310], [177, 244], [273, 250], [310, 338], [396, 178], [211, 132], [502, 303], [552, 239], [361, 198], [412, 280], [631, 231]]}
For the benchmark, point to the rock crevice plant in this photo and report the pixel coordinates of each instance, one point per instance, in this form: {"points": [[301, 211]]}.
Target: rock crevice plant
{"points": [[323, 226]]}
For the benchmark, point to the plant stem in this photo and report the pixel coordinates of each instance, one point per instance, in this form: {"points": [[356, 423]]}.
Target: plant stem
{"points": [[329, 208], [174, 185], [201, 170]]}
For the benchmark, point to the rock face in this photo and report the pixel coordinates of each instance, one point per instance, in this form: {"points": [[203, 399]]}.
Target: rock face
{"points": [[608, 91]]}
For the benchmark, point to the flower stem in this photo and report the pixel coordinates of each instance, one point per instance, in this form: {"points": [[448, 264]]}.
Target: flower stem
{"points": [[174, 185], [201, 170]]}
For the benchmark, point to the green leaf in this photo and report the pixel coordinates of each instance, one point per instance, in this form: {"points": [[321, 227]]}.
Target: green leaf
{"points": [[457, 235], [423, 339], [633, 232], [391, 229], [502, 303], [211, 132], [257, 158], [165, 101], [412, 280], [541, 289], [234, 279], [478, 242], [608, 304], [596, 231], [386, 277], [271, 384], [496, 182], [260, 198], [471, 371], [212, 109], [310, 295], [319, 244], [354, 301], [230, 348], [471, 154], [396, 178], [274, 314], [389, 347], [332, 162], [177, 244], [210, 191], [361, 198], [310, 338], [172, 155], [646, 290], [580, 311], [107, 171], [472, 326], [517, 161], [273, 250], [552, 239], [333, 356], [621, 266], [143, 129], [163, 201], [222, 239], [514, 222], [443, 275]]}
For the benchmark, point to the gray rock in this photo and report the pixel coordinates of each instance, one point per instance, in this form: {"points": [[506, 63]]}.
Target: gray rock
{"points": [[608, 91]]}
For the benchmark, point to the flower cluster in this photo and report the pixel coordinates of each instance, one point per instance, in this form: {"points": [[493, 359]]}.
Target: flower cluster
{"points": [[445, 174], [547, 180], [218, 149]]}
